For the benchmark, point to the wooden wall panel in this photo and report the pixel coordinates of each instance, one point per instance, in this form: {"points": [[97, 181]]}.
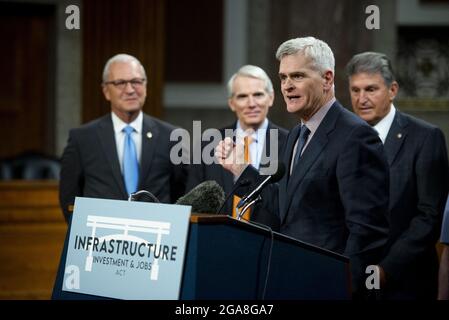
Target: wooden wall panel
{"points": [[340, 23], [32, 233], [194, 43], [117, 26], [26, 108]]}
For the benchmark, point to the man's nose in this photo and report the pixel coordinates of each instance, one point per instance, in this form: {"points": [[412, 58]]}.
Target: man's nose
{"points": [[251, 101], [129, 88], [287, 84], [363, 96]]}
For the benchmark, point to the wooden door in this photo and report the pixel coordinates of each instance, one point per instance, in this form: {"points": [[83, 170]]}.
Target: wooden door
{"points": [[26, 88]]}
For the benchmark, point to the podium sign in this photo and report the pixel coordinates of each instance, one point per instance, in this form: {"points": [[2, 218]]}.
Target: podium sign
{"points": [[126, 250]]}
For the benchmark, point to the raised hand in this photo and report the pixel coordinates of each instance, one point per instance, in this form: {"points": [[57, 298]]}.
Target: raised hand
{"points": [[231, 155]]}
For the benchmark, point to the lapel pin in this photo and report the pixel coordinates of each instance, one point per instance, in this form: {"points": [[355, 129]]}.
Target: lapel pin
{"points": [[149, 135], [399, 135]]}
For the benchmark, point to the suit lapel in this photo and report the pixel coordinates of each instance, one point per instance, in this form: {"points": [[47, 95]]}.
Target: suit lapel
{"points": [[313, 150], [396, 137], [288, 155], [107, 140], [308, 158], [283, 197], [150, 136]]}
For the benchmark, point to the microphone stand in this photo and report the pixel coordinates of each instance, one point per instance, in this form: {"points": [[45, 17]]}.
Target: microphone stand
{"points": [[246, 207], [132, 196], [243, 183]]}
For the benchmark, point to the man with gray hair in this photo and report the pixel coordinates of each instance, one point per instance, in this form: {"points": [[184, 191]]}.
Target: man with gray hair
{"points": [[417, 156], [123, 151], [335, 192], [250, 96]]}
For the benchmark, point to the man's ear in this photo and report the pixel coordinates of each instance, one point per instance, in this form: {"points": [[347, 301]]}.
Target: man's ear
{"points": [[271, 100], [393, 90], [231, 104], [328, 77], [106, 92]]}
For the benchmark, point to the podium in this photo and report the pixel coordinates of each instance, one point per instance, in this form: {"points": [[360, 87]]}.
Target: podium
{"points": [[229, 259]]}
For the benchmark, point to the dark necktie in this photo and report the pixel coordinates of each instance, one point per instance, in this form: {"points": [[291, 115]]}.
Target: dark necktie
{"points": [[303, 135]]}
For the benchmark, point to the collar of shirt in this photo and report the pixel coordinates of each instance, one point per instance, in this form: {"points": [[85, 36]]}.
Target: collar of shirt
{"points": [[384, 125], [257, 136], [118, 125], [313, 123]]}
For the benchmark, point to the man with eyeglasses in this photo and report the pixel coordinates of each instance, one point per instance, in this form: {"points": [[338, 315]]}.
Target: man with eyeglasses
{"points": [[123, 151]]}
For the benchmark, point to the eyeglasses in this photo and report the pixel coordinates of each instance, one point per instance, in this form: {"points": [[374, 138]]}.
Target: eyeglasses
{"points": [[121, 84]]}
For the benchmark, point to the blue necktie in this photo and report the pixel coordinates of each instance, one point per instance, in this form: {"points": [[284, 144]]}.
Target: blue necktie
{"points": [[303, 135], [130, 164]]}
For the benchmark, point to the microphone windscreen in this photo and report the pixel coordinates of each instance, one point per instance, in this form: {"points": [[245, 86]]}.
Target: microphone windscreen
{"points": [[207, 197]]}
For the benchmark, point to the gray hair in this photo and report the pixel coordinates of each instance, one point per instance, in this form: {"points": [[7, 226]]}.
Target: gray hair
{"points": [[315, 49], [252, 72], [121, 57], [371, 62]]}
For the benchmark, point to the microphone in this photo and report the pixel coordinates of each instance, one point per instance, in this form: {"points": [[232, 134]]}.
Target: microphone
{"points": [[253, 195], [207, 197], [242, 183], [143, 196]]}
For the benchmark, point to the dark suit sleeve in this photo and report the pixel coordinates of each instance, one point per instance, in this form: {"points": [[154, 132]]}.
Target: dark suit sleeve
{"points": [[195, 175], [177, 180], [71, 180], [363, 182], [178, 176], [430, 172], [269, 193], [195, 171]]}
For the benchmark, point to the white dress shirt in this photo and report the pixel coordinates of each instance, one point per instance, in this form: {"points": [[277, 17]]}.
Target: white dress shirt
{"points": [[257, 143], [384, 125]]}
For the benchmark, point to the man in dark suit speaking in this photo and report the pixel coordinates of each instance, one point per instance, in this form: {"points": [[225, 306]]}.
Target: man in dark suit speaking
{"points": [[123, 151], [335, 192], [416, 153]]}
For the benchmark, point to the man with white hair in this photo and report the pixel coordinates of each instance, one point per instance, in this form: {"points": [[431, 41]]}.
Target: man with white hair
{"points": [[335, 192], [250, 96], [123, 151]]}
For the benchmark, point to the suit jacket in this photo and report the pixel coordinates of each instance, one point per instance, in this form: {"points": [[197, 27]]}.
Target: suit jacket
{"points": [[417, 156], [202, 172], [90, 166], [338, 197]]}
